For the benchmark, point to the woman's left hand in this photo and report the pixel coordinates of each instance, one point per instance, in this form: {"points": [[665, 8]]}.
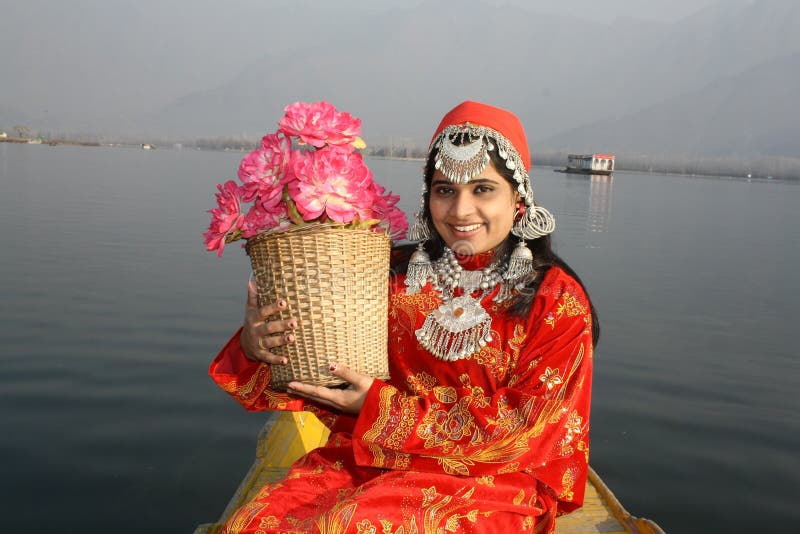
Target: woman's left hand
{"points": [[348, 400]]}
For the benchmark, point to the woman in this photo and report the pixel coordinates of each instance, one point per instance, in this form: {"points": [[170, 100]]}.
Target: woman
{"points": [[483, 426]]}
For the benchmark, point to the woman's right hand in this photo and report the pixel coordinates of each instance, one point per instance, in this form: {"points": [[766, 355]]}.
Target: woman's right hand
{"points": [[259, 334]]}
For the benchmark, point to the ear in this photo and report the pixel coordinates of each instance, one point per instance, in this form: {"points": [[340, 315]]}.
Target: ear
{"points": [[520, 211]]}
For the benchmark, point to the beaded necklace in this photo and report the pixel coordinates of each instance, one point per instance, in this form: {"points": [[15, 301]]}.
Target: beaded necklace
{"points": [[460, 327]]}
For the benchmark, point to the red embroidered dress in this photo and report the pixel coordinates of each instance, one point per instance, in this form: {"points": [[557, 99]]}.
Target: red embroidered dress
{"points": [[495, 442]]}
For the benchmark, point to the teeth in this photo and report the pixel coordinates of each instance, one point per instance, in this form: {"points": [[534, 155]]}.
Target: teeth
{"points": [[467, 228]]}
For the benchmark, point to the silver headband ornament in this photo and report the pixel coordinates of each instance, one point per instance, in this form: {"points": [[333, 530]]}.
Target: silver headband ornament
{"points": [[463, 153]]}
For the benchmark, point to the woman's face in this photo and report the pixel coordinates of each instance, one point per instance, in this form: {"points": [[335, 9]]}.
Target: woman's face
{"points": [[474, 217]]}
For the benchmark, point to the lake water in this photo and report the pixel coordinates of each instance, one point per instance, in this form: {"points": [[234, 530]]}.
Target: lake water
{"points": [[111, 311]]}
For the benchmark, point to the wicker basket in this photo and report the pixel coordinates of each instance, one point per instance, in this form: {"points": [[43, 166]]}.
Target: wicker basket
{"points": [[336, 284]]}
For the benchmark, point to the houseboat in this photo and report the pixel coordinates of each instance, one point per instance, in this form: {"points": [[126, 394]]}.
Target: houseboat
{"points": [[590, 163]]}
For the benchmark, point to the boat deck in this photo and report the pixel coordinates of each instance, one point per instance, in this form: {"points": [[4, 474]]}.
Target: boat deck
{"points": [[286, 436]]}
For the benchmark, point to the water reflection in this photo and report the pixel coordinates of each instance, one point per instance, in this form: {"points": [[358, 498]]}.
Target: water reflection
{"points": [[599, 203], [586, 212]]}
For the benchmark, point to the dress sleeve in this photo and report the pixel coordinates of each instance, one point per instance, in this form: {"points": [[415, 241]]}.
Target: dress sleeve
{"points": [[537, 421], [248, 381]]}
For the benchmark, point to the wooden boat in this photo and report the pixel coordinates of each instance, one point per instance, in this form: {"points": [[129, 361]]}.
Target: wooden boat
{"points": [[286, 436]]}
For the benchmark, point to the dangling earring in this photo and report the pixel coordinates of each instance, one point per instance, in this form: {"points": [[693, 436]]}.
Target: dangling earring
{"points": [[521, 261], [418, 271], [420, 230], [536, 222], [419, 266]]}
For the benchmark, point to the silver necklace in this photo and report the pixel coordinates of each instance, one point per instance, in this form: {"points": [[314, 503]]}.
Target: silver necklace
{"points": [[460, 327]]}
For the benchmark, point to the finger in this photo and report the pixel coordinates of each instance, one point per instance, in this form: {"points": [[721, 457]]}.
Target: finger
{"points": [[271, 358], [278, 327], [273, 341], [319, 393], [252, 295], [348, 375], [272, 308], [295, 391]]}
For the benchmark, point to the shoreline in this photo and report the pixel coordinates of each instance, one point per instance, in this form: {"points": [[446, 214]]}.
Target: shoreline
{"points": [[557, 168], [25, 141]]}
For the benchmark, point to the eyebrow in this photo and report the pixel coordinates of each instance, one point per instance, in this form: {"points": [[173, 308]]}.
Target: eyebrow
{"points": [[438, 181]]}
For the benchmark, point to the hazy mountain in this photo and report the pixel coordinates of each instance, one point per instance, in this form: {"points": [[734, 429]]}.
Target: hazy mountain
{"points": [[399, 69], [557, 72], [753, 112], [413, 68]]}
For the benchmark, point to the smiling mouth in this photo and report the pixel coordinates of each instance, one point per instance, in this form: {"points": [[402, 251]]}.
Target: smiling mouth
{"points": [[467, 228]]}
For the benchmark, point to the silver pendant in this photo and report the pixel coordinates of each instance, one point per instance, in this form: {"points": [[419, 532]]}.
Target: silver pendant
{"points": [[457, 329]]}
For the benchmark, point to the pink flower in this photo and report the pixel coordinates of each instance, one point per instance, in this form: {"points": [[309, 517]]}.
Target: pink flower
{"points": [[259, 219], [319, 124], [263, 171], [393, 220], [226, 218], [335, 183]]}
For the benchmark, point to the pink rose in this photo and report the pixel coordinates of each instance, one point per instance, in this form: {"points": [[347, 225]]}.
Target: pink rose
{"points": [[393, 220], [260, 219], [319, 124], [263, 171], [334, 183], [226, 218]]}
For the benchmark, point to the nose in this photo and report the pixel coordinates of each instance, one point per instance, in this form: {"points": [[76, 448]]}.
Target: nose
{"points": [[463, 205]]}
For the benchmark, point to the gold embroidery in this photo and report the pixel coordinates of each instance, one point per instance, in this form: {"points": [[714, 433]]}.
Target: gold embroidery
{"points": [[452, 466], [371, 435], [440, 514], [550, 378], [515, 344], [428, 495], [583, 446], [569, 305], [412, 527], [337, 520], [402, 460], [574, 424], [365, 526], [445, 394], [269, 522], [421, 383], [479, 399], [406, 424], [511, 467], [519, 498], [243, 516], [441, 509], [518, 427], [439, 427], [486, 480], [568, 482]]}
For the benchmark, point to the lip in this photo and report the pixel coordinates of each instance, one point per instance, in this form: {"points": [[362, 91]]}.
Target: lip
{"points": [[466, 229]]}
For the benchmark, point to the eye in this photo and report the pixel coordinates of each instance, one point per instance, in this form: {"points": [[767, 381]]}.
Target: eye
{"points": [[484, 189], [443, 190]]}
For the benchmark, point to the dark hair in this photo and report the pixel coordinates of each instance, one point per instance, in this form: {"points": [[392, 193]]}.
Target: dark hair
{"points": [[543, 255]]}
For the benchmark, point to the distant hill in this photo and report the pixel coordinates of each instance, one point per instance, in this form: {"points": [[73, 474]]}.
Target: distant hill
{"points": [[569, 80], [709, 83], [753, 112]]}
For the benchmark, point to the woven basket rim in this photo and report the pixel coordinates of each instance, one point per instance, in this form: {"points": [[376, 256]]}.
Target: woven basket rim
{"points": [[311, 228]]}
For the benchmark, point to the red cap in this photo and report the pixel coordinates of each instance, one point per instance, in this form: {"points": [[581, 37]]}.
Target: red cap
{"points": [[498, 119]]}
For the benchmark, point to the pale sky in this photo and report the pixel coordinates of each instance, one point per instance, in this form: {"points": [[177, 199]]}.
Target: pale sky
{"points": [[130, 56]]}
